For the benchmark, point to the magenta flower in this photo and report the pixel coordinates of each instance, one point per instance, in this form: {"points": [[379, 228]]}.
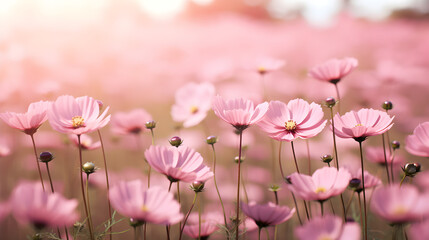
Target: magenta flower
{"points": [[398, 204], [370, 180], [154, 205], [328, 227], [193, 101], [333, 70], [296, 119], [239, 112], [29, 121], [362, 124], [132, 122], [77, 115], [30, 204], [418, 143], [268, 214], [325, 182], [178, 164], [86, 142]]}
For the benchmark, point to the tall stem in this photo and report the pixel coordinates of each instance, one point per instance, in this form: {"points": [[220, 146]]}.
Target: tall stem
{"points": [[277, 203], [37, 161], [52, 190], [215, 183], [238, 186], [391, 166], [402, 180], [82, 188], [385, 159], [321, 207], [187, 215], [199, 220], [338, 97], [363, 190], [308, 156], [259, 233], [360, 212], [150, 168], [107, 182], [297, 169], [296, 207], [87, 198]]}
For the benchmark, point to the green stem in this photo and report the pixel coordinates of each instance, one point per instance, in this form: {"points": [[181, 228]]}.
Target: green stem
{"points": [[349, 203], [215, 183], [187, 215], [87, 198], [363, 190], [402, 180], [385, 159], [238, 186], [150, 168], [391, 166], [37, 161], [297, 169], [259, 233], [277, 203], [268, 234], [199, 220], [338, 97]]}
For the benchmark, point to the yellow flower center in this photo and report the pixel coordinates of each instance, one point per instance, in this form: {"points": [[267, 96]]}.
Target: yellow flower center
{"points": [[325, 237], [399, 210], [320, 190], [144, 208], [262, 69], [290, 125], [194, 109], [78, 121], [358, 125]]}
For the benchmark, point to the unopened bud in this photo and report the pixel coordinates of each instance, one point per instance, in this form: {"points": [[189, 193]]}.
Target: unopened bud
{"points": [[150, 124], [176, 141], [387, 105], [197, 186], [46, 157], [89, 167], [395, 145], [211, 140], [327, 158], [330, 102], [241, 160]]}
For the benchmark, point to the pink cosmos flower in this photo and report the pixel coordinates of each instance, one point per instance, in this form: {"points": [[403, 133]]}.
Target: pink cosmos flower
{"points": [[4, 210], [268, 214], [362, 124], [328, 227], [266, 65], [77, 115], [419, 231], [193, 101], [296, 119], [29, 121], [154, 205], [418, 143], [325, 182], [333, 70], [178, 164], [209, 224], [370, 180], [400, 204], [239, 112], [132, 122], [30, 204], [85, 141], [376, 155]]}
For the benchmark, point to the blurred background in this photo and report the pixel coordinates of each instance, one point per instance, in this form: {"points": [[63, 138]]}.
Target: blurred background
{"points": [[136, 53]]}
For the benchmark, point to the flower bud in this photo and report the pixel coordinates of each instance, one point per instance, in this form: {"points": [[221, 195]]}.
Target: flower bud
{"points": [[411, 169], [197, 186], [327, 158], [135, 223], [36, 237], [46, 157], [150, 124], [211, 140], [242, 159], [274, 188], [288, 180], [78, 227], [387, 105], [89, 167], [395, 145], [330, 102], [354, 183], [176, 141]]}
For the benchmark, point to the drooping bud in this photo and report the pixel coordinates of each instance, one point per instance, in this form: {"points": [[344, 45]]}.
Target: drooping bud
{"points": [[89, 167], [46, 157], [387, 105], [395, 145], [242, 159], [211, 140], [354, 183], [175, 141], [330, 102], [411, 169], [327, 158], [197, 186], [150, 124]]}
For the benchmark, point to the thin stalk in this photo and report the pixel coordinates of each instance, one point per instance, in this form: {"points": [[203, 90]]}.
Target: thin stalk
{"points": [[87, 198], [280, 161], [349, 203], [361, 217], [277, 203], [385, 159], [215, 183], [332, 206], [402, 180], [238, 186], [150, 168], [82, 188], [52, 190], [391, 165], [244, 189], [297, 169], [136, 236], [259, 233], [336, 153], [268, 234], [296, 207], [363, 190], [308, 156], [199, 220], [187, 215], [37, 161], [338, 97], [321, 207], [107, 181]]}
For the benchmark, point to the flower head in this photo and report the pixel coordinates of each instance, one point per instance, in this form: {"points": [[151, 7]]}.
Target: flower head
{"points": [[362, 124], [333, 70], [86, 142], [325, 182], [76, 115], [209, 224], [133, 122], [239, 112], [418, 143], [193, 101], [328, 227], [296, 119], [29, 121], [30, 204], [154, 205], [178, 164], [268, 214]]}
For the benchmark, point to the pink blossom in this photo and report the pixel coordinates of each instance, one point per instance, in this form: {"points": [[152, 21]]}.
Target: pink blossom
{"points": [[422, 180], [362, 124], [193, 101], [77, 115], [209, 224], [325, 182], [419, 231], [400, 204], [328, 227], [178, 164], [268, 214], [132, 122], [4, 210], [376, 155], [370, 180], [30, 204], [239, 112], [266, 65], [418, 143], [86, 142], [154, 205], [333, 70], [296, 119], [29, 121]]}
